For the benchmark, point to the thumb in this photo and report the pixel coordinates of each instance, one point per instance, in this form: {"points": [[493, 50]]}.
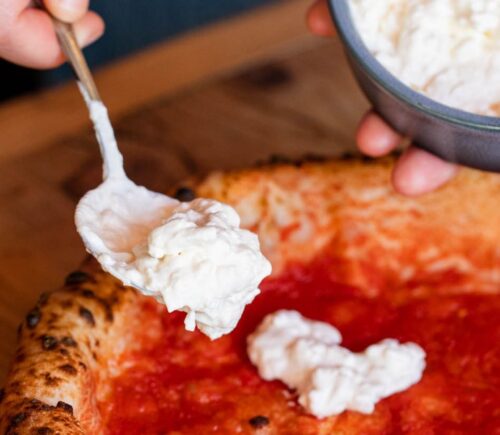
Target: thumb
{"points": [[68, 11]]}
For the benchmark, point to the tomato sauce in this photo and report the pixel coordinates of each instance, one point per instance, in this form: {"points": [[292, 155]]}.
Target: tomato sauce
{"points": [[184, 383]]}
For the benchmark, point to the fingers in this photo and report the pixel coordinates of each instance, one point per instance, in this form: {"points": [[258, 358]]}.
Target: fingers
{"points": [[68, 11], [32, 42], [319, 20], [375, 138], [418, 172]]}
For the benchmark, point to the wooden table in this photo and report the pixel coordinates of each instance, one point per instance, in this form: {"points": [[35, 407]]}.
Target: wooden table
{"points": [[222, 98]]}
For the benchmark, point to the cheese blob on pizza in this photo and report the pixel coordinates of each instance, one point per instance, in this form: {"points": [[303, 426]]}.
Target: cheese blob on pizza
{"points": [[352, 261]]}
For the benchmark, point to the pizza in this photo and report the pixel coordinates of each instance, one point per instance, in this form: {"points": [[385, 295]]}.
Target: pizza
{"points": [[95, 357]]}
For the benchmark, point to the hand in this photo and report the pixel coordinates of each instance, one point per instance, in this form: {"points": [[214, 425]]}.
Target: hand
{"points": [[27, 35], [417, 171]]}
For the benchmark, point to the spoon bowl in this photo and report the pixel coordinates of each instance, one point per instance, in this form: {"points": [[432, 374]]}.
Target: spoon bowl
{"points": [[116, 217]]}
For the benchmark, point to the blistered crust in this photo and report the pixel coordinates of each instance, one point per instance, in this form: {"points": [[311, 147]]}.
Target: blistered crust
{"points": [[70, 343], [65, 345]]}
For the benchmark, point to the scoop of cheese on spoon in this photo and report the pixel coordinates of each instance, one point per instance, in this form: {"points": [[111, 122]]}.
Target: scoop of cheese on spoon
{"points": [[193, 256]]}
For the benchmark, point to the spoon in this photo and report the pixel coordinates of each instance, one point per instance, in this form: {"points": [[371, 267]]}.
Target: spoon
{"points": [[193, 257], [118, 215]]}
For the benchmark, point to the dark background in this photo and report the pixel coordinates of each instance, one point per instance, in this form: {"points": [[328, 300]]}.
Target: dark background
{"points": [[130, 26]]}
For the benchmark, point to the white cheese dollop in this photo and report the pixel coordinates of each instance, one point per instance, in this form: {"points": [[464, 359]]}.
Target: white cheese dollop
{"points": [[201, 262], [306, 355], [446, 49]]}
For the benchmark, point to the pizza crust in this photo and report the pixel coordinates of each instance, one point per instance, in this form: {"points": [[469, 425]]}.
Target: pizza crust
{"points": [[70, 343], [64, 345], [350, 209]]}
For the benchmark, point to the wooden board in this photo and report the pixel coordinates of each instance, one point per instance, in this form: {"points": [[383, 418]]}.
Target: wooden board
{"points": [[301, 100], [162, 70]]}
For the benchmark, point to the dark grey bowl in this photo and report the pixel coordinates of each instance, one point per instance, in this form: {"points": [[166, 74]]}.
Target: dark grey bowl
{"points": [[452, 134]]}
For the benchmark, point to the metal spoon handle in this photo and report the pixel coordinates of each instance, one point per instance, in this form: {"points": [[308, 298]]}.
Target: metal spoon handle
{"points": [[72, 50]]}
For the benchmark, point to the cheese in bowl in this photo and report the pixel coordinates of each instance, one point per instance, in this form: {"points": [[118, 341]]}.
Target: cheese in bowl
{"points": [[448, 50]]}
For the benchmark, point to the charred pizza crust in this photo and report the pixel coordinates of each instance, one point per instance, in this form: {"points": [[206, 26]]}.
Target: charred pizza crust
{"points": [[70, 343]]}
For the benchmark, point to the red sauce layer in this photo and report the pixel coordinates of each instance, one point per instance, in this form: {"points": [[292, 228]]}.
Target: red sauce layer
{"points": [[182, 382]]}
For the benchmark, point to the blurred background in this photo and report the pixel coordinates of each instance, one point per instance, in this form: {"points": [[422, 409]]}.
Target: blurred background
{"points": [[130, 26]]}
